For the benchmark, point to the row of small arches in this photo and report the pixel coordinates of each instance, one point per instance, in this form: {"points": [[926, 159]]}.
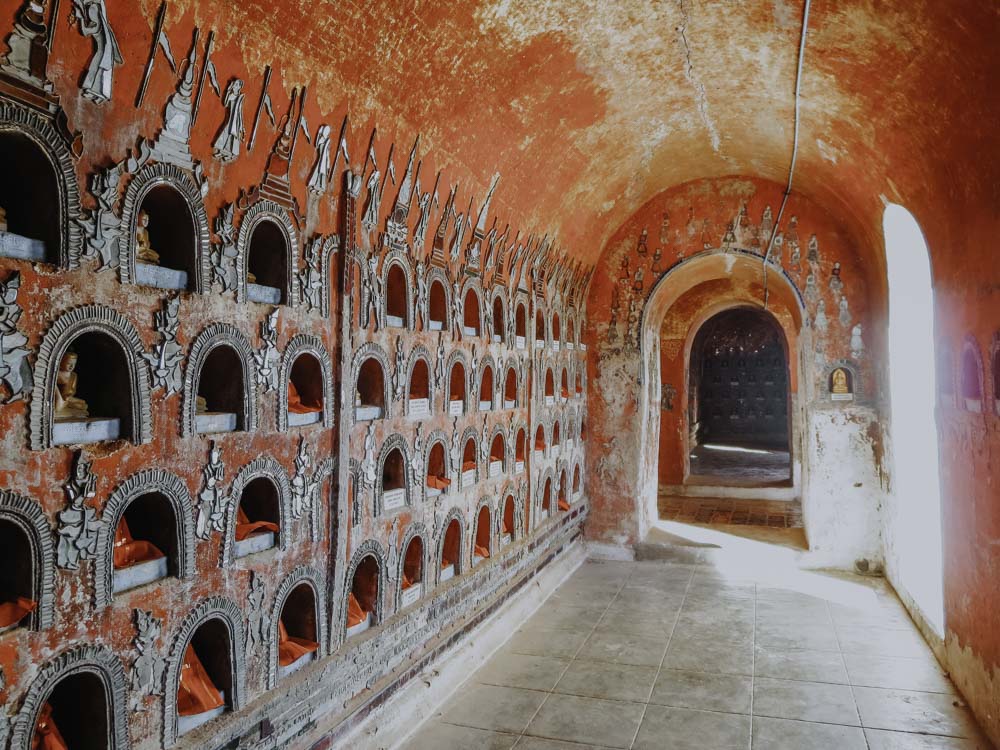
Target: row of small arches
{"points": [[978, 386]]}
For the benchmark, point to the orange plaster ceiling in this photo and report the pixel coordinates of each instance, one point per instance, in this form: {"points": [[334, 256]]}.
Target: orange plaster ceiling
{"points": [[588, 108]]}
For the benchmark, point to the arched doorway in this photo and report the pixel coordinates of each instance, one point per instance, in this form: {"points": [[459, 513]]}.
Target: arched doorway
{"points": [[738, 400]]}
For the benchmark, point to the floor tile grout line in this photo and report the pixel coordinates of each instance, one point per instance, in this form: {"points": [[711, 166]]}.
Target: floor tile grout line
{"points": [[575, 653], [663, 658], [854, 696]]}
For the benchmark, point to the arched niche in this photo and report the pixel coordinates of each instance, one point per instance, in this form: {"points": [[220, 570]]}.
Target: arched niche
{"points": [[545, 501], [165, 203], [437, 304], [550, 387], [472, 314], [508, 520], [397, 295], [571, 335], [206, 669], [220, 383], [365, 586], [147, 534], [510, 389], [564, 385], [470, 465], [577, 486], [499, 333], [259, 512], [371, 386], [267, 255], [540, 335], [562, 494], [482, 541], [27, 573], [971, 376], [81, 694], [457, 383], [520, 325], [394, 486], [520, 449], [298, 631], [579, 381], [437, 475], [109, 375], [486, 390], [945, 374], [450, 547], [556, 331], [305, 384], [498, 455], [556, 434], [540, 442], [418, 386], [412, 563], [43, 203]]}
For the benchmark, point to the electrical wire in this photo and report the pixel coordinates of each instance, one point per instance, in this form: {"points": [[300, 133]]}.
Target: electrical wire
{"points": [[795, 145]]}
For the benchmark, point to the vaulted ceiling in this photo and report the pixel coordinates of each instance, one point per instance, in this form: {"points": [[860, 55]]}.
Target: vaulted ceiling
{"points": [[588, 108]]}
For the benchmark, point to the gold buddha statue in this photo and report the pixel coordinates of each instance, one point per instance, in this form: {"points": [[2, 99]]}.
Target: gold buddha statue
{"points": [[144, 252], [68, 405], [200, 405], [840, 384]]}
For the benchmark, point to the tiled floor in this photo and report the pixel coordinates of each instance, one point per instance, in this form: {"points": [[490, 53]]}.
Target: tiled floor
{"points": [[781, 514], [656, 655], [739, 465]]}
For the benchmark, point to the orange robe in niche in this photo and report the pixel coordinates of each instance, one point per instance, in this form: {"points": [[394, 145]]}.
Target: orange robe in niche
{"points": [[469, 466], [296, 405], [15, 611], [47, 735], [506, 527], [407, 583], [196, 693], [245, 527], [355, 614], [540, 445], [129, 551], [564, 393], [437, 482], [482, 551], [563, 505], [292, 648]]}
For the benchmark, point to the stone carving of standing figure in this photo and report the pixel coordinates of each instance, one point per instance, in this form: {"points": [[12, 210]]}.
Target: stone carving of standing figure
{"points": [[147, 669], [78, 524], [421, 295], [227, 143], [258, 621], [321, 169], [92, 17], [210, 499]]}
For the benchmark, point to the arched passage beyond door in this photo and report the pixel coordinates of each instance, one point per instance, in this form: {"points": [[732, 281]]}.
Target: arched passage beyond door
{"points": [[738, 398]]}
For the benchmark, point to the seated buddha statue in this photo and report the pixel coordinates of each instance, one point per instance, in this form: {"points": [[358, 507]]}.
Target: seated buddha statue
{"points": [[200, 405], [47, 735], [144, 252], [196, 693], [292, 648], [840, 384], [129, 551], [68, 405], [296, 405]]}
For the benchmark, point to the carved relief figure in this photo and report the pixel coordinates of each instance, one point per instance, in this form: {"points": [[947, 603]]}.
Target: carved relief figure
{"points": [[165, 359], [78, 524], [399, 373], [67, 404], [15, 370], [259, 622], [227, 143], [421, 294], [144, 252], [268, 359], [311, 279], [303, 486], [321, 169], [92, 18], [224, 254], [839, 383], [368, 464], [845, 312], [820, 322], [147, 670], [417, 458], [857, 343], [211, 502], [836, 283]]}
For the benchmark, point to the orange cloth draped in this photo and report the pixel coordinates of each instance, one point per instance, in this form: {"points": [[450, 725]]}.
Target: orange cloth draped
{"points": [[563, 505], [47, 736], [482, 551], [457, 397], [245, 527], [469, 466], [15, 611], [129, 551], [506, 527], [437, 482], [196, 693], [291, 648], [496, 458], [295, 403], [445, 562], [564, 392], [355, 614], [539, 445], [407, 583]]}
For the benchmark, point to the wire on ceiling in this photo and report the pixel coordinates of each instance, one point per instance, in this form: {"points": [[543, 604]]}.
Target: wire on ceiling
{"points": [[795, 145]]}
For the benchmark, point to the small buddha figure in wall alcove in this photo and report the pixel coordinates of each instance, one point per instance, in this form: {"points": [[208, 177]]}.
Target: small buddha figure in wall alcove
{"points": [[68, 405], [144, 252], [840, 385]]}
